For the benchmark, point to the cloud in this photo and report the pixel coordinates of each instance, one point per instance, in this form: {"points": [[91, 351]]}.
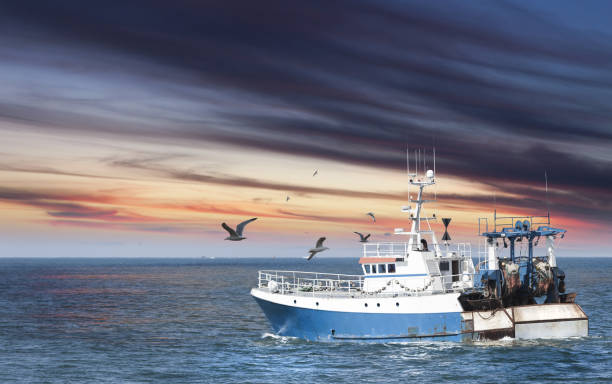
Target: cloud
{"points": [[352, 82], [174, 228], [587, 201], [155, 168], [66, 205], [55, 172], [84, 212]]}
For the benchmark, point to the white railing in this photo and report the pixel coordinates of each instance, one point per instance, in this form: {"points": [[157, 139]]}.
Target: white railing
{"points": [[464, 250], [454, 282], [385, 249], [305, 282], [331, 284], [401, 249]]}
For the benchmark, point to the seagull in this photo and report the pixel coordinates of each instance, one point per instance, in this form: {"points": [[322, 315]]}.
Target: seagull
{"points": [[315, 172], [371, 215], [287, 198], [237, 234], [318, 248], [363, 239]]}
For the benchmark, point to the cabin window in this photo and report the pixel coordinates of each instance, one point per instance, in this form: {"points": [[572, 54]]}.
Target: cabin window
{"points": [[381, 268], [455, 271], [391, 268], [367, 268], [444, 266], [373, 268]]}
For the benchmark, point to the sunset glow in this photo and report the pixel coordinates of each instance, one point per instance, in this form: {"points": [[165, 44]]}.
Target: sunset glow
{"points": [[113, 148]]}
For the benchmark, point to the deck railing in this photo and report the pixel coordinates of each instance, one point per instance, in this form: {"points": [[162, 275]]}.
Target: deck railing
{"points": [[401, 249], [385, 249], [296, 281], [333, 284]]}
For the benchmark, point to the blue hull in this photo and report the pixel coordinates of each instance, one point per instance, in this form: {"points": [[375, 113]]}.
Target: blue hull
{"points": [[323, 325]]}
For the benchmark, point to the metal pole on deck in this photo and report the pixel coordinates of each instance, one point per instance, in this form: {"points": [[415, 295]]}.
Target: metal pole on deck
{"points": [[530, 264]]}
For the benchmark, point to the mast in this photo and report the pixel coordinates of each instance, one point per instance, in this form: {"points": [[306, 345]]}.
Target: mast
{"points": [[416, 213]]}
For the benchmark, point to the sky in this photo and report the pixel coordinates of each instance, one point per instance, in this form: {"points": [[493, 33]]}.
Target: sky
{"points": [[136, 128]]}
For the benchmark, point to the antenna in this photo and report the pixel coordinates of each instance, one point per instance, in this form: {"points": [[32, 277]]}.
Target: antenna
{"points": [[547, 204], [435, 174], [424, 169], [495, 210], [434, 159], [407, 160], [408, 171]]}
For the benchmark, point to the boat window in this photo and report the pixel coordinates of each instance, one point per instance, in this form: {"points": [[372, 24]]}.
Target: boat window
{"points": [[444, 266], [373, 268], [381, 268], [367, 268], [391, 268]]}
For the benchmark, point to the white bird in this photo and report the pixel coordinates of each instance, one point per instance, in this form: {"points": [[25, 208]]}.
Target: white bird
{"points": [[371, 215], [318, 248], [315, 172], [237, 234], [363, 239]]}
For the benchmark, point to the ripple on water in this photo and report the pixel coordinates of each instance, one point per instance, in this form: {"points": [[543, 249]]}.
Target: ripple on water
{"points": [[182, 321]]}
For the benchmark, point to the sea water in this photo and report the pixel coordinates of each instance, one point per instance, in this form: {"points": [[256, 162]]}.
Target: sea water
{"points": [[138, 320]]}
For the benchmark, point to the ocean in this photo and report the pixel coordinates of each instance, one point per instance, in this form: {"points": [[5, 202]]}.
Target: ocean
{"points": [[138, 320]]}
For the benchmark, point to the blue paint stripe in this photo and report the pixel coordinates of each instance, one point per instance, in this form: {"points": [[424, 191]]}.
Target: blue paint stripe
{"points": [[387, 275], [313, 324]]}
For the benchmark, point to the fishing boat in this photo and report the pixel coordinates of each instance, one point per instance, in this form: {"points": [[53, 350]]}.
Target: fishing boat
{"points": [[420, 289]]}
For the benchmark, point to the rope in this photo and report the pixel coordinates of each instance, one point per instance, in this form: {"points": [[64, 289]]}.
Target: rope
{"points": [[492, 313]]}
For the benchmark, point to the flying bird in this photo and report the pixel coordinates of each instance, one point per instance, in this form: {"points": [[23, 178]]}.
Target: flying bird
{"points": [[363, 239], [318, 248], [237, 234], [371, 215], [315, 172]]}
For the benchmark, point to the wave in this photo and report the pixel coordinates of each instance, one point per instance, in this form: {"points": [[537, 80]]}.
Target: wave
{"points": [[282, 339]]}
